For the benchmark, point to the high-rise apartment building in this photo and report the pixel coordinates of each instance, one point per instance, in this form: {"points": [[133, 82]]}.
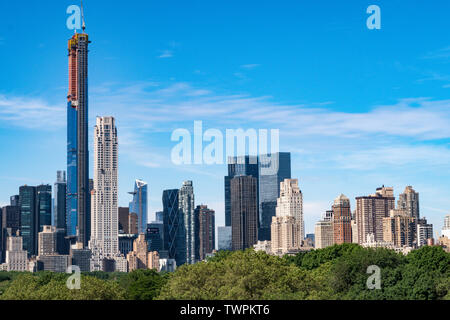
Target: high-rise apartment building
{"points": [[244, 213], [138, 204], [78, 209], [104, 220], [409, 201], [59, 204], [186, 210], [424, 232], [342, 217], [238, 166], [138, 258], [323, 231], [446, 227], [44, 206], [399, 228], [370, 211], [287, 229], [206, 231], [272, 170]]}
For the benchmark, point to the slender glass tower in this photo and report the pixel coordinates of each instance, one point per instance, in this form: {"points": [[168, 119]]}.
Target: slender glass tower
{"points": [[77, 138]]}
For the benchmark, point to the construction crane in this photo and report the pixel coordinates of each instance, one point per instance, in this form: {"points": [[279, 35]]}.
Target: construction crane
{"points": [[83, 26]]}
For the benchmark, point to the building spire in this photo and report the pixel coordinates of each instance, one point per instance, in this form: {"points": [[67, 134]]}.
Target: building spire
{"points": [[83, 27]]}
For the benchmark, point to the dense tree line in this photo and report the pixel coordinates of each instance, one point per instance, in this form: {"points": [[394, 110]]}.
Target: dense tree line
{"points": [[337, 272]]}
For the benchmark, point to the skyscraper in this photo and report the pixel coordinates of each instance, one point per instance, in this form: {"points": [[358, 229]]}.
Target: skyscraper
{"points": [[186, 210], [77, 137], [105, 224], [244, 214], [174, 229], [44, 206], [206, 231], [238, 166], [273, 169], [287, 230], [28, 218], [139, 204], [10, 223], [409, 201], [60, 189], [342, 217], [224, 235], [424, 232], [370, 211], [399, 228], [323, 231]]}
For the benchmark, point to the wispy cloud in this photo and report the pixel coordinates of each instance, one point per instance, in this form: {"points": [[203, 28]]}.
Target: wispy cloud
{"points": [[250, 66], [166, 54], [443, 53], [31, 112]]}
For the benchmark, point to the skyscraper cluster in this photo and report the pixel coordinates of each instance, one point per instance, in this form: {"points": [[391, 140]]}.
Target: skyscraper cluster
{"points": [[376, 222]]}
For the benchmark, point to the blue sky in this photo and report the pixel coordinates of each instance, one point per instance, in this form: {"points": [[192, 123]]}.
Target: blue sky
{"points": [[357, 108]]}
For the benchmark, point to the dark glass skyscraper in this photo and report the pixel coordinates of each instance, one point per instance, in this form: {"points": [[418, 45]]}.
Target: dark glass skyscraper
{"points": [[273, 168], [44, 206], [77, 138], [238, 166], [244, 213], [10, 222], [155, 236], [186, 211], [28, 218], [60, 201], [174, 230]]}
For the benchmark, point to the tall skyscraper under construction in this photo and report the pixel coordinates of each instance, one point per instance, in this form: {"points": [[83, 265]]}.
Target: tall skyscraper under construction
{"points": [[77, 138]]}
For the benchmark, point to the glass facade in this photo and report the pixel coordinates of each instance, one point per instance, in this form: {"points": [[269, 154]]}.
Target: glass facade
{"points": [[238, 166], [273, 168], [224, 238], [186, 211], [174, 229], [139, 204], [71, 200], [155, 236], [59, 211], [28, 218]]}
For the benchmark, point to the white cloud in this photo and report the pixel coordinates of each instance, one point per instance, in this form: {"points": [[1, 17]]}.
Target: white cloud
{"points": [[250, 66], [166, 54]]}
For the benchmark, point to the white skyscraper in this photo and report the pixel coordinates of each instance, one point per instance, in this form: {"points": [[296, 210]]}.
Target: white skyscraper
{"points": [[104, 213], [287, 228]]}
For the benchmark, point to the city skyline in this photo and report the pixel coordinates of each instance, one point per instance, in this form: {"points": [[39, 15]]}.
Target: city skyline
{"points": [[403, 149]]}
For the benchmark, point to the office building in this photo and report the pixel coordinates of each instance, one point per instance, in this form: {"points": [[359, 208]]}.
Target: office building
{"points": [[155, 236], [342, 217], [126, 243], [273, 169], [59, 208], [167, 265], [174, 227], [186, 210], [244, 213], [224, 238], [9, 224], [159, 216], [206, 231], [153, 260], [370, 211], [28, 218], [138, 205], [238, 166], [123, 219], [47, 241]]}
